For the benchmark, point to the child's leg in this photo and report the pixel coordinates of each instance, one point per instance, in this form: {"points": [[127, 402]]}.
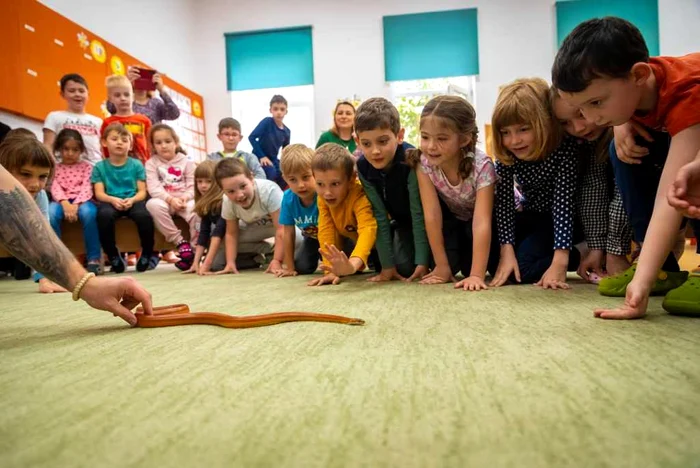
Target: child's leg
{"points": [[451, 235], [219, 261], [534, 246], [306, 256], [87, 214], [404, 251], [638, 184], [106, 218], [192, 219], [252, 247], [163, 218], [56, 217], [144, 223], [272, 172]]}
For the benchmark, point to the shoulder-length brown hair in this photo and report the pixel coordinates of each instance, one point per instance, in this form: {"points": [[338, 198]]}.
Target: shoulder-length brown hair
{"points": [[526, 101]]}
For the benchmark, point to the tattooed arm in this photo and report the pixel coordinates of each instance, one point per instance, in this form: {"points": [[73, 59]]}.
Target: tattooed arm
{"points": [[26, 235]]}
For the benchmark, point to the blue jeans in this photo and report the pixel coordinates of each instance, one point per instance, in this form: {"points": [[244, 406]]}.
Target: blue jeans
{"points": [[638, 185], [534, 238], [87, 215], [274, 173]]}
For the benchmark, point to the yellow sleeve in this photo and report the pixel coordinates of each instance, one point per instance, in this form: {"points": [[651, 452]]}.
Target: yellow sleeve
{"points": [[327, 233], [366, 227]]}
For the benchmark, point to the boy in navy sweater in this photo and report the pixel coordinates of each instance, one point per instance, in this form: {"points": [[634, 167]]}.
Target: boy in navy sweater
{"points": [[269, 136]]}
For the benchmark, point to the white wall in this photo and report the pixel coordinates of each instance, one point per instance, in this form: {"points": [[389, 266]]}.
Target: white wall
{"points": [[186, 38], [348, 45], [160, 33], [516, 38]]}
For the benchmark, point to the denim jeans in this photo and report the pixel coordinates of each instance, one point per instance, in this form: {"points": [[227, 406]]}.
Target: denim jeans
{"points": [[87, 215], [638, 185]]}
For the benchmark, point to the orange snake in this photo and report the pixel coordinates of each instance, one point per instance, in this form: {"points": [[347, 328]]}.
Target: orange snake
{"points": [[179, 314]]}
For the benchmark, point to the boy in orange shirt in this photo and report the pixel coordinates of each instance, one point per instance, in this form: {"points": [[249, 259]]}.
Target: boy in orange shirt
{"points": [[121, 94], [603, 68], [343, 212]]}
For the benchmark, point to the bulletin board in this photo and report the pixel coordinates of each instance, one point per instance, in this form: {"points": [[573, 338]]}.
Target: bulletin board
{"points": [[39, 46]]}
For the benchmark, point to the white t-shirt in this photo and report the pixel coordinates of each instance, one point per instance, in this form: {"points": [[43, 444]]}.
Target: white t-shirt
{"points": [[86, 124], [268, 198]]}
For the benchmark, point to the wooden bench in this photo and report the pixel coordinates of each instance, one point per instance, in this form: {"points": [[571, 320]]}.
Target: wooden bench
{"points": [[127, 237]]}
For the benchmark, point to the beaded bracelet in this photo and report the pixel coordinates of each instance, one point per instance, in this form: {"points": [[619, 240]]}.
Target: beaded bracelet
{"points": [[81, 284]]}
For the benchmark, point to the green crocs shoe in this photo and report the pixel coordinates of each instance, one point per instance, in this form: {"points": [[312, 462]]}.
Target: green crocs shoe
{"points": [[684, 300], [615, 286]]}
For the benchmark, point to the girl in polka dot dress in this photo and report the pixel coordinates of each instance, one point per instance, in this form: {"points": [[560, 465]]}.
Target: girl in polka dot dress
{"points": [[598, 201], [537, 243], [456, 183]]}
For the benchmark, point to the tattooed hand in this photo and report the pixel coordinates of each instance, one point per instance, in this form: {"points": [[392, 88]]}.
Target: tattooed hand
{"points": [[27, 235]]}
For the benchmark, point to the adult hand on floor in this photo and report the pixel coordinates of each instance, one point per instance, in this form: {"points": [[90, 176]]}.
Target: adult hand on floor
{"points": [[117, 295], [635, 306]]}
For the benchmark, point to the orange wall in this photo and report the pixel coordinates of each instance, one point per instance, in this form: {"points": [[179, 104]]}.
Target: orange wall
{"points": [[40, 45]]}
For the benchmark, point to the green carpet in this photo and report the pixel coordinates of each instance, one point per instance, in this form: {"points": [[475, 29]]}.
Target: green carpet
{"points": [[514, 377]]}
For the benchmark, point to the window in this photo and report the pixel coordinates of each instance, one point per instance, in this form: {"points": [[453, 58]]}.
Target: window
{"points": [[410, 97]]}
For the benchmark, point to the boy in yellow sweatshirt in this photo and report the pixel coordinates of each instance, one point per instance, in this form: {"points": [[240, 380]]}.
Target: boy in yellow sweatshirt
{"points": [[343, 212]]}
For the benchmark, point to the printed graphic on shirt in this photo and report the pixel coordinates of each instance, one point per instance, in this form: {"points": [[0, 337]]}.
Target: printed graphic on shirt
{"points": [[171, 177], [83, 127], [135, 128], [310, 231]]}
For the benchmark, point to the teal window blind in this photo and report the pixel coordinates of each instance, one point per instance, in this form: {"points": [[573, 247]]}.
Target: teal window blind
{"points": [[269, 59], [642, 13], [431, 45]]}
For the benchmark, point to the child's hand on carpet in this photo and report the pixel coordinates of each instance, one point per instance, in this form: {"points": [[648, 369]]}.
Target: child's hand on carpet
{"points": [[554, 278], [472, 283], [506, 266], [635, 306], [227, 269], [418, 273], [684, 193], [193, 269], [387, 274], [274, 267], [330, 278], [341, 265], [593, 263], [440, 274], [284, 272]]}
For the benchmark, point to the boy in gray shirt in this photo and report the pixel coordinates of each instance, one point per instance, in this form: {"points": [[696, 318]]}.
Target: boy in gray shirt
{"points": [[230, 135]]}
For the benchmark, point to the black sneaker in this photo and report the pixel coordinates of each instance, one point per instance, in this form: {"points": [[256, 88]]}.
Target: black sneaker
{"points": [[142, 264], [153, 262], [118, 264]]}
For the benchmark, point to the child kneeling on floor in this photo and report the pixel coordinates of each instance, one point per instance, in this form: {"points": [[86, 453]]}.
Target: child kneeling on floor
{"points": [[208, 198], [170, 183], [299, 213], [257, 203], [344, 215], [120, 186]]}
